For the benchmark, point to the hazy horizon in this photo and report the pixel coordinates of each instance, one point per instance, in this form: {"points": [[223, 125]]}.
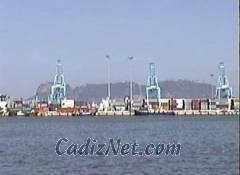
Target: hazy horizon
{"points": [[186, 40]]}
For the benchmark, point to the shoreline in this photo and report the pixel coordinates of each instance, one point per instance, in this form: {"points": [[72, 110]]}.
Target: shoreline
{"points": [[127, 114]]}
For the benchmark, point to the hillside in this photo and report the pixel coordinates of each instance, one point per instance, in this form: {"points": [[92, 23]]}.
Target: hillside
{"points": [[95, 92]]}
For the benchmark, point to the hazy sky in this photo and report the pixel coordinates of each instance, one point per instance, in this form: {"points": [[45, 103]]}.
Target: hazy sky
{"points": [[186, 39]]}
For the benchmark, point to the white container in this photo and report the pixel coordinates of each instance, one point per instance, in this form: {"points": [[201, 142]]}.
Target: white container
{"points": [[67, 103], [180, 103]]}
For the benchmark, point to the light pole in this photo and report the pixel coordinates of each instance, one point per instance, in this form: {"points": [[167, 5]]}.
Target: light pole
{"points": [[108, 76], [131, 83], [212, 75], [210, 105]]}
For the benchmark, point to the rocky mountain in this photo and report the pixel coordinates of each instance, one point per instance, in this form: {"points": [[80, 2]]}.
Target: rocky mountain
{"points": [[95, 92]]}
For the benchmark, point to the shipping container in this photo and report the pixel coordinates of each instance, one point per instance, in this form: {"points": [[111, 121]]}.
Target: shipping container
{"points": [[204, 107], [179, 104], [43, 105], [172, 104], [164, 104], [165, 100], [67, 103], [212, 107], [188, 104], [221, 101], [204, 104], [164, 107], [231, 104], [236, 104], [212, 103], [222, 107], [222, 104], [196, 104]]}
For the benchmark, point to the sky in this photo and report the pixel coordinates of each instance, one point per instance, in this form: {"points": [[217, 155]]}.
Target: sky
{"points": [[185, 39]]}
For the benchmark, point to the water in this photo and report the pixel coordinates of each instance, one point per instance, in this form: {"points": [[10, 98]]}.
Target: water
{"points": [[209, 145]]}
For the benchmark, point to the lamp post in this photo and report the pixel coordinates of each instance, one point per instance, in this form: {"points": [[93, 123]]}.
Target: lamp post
{"points": [[108, 76], [131, 83], [212, 75], [210, 105]]}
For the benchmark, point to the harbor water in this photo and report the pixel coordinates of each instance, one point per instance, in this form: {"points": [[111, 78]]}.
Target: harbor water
{"points": [[209, 145]]}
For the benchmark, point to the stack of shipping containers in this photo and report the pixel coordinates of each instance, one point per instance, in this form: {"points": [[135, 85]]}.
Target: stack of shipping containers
{"points": [[212, 104], [222, 104], [180, 104], [204, 104], [188, 104], [196, 104], [236, 104], [165, 104], [172, 104]]}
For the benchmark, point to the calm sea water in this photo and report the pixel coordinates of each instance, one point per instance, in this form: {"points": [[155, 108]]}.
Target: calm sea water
{"points": [[209, 145]]}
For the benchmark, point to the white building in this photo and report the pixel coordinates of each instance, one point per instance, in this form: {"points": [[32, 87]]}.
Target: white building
{"points": [[3, 104]]}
